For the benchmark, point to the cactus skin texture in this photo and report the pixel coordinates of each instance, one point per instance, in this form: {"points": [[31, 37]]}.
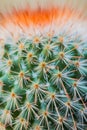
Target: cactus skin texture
{"points": [[43, 79], [43, 85]]}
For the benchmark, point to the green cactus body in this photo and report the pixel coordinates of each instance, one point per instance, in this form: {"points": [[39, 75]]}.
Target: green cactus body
{"points": [[43, 80], [43, 85]]}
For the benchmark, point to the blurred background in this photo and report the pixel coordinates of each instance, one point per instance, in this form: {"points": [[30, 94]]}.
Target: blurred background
{"points": [[7, 5]]}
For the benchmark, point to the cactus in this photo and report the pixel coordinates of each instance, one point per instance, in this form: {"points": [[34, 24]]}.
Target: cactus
{"points": [[43, 82], [43, 85]]}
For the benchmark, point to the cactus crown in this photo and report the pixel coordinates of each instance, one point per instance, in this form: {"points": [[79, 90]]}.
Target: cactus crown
{"points": [[43, 84]]}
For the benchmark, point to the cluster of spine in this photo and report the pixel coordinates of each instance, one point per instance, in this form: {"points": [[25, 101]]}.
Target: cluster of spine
{"points": [[43, 84]]}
